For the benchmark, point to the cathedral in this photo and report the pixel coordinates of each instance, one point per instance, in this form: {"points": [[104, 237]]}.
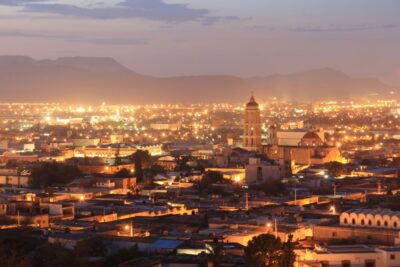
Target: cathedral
{"points": [[300, 147]]}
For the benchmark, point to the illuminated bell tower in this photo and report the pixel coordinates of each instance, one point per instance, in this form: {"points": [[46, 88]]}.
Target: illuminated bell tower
{"points": [[252, 127]]}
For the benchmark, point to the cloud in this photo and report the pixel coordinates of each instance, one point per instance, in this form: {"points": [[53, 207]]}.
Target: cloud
{"points": [[34, 35], [76, 38], [324, 29], [113, 41], [351, 28], [261, 28], [147, 9]]}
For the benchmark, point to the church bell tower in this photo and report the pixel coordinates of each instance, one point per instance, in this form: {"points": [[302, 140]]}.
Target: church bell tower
{"points": [[252, 127]]}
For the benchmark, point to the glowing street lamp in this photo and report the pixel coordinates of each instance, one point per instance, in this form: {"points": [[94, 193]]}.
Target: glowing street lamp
{"points": [[129, 227], [269, 225], [333, 209]]}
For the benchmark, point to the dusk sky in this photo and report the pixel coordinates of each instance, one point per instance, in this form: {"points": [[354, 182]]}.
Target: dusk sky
{"points": [[240, 37]]}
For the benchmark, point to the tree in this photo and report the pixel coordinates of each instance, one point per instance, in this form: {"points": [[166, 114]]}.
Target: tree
{"points": [[51, 173], [92, 247], [142, 160], [50, 255], [16, 248], [123, 173], [182, 164], [12, 164], [216, 252], [209, 178], [335, 168], [123, 255], [271, 187], [366, 162], [157, 169], [264, 251], [288, 256]]}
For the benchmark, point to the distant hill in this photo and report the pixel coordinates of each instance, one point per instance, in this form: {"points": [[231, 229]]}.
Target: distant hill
{"points": [[319, 84], [94, 80]]}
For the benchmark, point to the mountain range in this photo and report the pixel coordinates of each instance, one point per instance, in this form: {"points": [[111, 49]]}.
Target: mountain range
{"points": [[94, 80]]}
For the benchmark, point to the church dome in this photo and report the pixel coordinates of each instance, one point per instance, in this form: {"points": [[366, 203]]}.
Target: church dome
{"points": [[311, 135], [311, 139]]}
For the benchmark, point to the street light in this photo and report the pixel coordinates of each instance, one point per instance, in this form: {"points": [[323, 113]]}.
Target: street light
{"points": [[333, 209], [129, 227], [269, 225]]}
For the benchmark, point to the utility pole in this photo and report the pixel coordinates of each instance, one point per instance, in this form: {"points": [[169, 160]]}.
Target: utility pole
{"points": [[334, 190], [131, 229], [246, 197], [247, 200]]}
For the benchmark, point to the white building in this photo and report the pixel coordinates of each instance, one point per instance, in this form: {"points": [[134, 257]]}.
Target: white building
{"points": [[371, 218], [348, 256]]}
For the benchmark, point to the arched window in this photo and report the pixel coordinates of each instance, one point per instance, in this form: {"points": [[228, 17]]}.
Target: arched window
{"points": [[353, 221], [369, 222], [395, 224], [362, 222], [378, 223], [345, 220], [386, 224]]}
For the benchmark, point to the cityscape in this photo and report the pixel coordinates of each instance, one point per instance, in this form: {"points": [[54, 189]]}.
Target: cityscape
{"points": [[200, 162]]}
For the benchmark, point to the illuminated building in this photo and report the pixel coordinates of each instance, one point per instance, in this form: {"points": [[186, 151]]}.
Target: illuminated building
{"points": [[111, 151], [258, 171], [371, 218], [302, 148], [252, 127]]}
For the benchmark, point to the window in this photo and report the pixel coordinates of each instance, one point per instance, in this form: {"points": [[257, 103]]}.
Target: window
{"points": [[333, 234], [369, 222], [386, 224], [370, 263], [345, 220], [379, 223], [392, 256], [346, 264], [362, 222], [395, 224], [324, 263], [353, 221]]}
